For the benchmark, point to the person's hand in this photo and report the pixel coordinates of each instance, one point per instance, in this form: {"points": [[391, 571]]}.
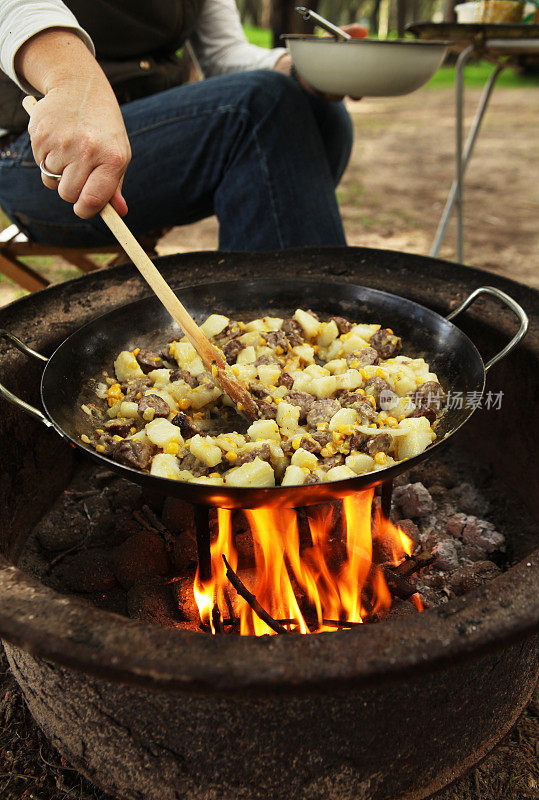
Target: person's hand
{"points": [[284, 64], [77, 130]]}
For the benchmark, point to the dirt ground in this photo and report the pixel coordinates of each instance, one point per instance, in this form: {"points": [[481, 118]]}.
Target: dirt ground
{"points": [[394, 190], [391, 197]]}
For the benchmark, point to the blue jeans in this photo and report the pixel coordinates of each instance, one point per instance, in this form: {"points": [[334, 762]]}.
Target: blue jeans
{"points": [[252, 148]]}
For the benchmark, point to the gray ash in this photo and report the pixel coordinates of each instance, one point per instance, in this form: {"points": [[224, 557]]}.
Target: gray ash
{"points": [[102, 542]]}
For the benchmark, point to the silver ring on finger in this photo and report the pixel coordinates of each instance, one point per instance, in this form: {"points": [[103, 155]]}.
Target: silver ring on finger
{"points": [[44, 171]]}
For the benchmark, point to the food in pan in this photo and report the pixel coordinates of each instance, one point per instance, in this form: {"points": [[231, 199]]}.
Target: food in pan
{"points": [[336, 399]]}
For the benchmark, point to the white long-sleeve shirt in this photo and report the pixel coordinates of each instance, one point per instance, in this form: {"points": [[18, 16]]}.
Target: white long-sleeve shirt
{"points": [[218, 39]]}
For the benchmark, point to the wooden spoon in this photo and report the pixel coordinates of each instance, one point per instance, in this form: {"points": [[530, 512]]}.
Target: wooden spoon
{"points": [[212, 358]]}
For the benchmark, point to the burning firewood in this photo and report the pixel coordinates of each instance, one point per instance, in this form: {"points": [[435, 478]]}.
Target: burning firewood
{"points": [[251, 599]]}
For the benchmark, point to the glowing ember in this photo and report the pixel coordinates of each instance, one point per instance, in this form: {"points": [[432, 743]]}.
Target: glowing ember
{"points": [[308, 586]]}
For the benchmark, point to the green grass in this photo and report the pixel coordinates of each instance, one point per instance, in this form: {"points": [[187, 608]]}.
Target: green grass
{"points": [[475, 74]]}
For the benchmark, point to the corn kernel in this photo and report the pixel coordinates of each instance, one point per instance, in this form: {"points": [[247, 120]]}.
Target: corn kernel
{"points": [[363, 374], [214, 371], [361, 391], [85, 439], [183, 403], [117, 438], [138, 395], [380, 458], [214, 475], [278, 400], [389, 331], [296, 442], [100, 448], [380, 373], [200, 414], [236, 371], [392, 422], [372, 425], [371, 400], [172, 449], [136, 351], [231, 456], [279, 350], [132, 430], [322, 426], [240, 406]]}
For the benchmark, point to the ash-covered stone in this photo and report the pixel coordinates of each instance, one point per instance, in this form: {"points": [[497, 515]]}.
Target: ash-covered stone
{"points": [[113, 600], [471, 576], [475, 532], [124, 495], [63, 528], [445, 556], [410, 529], [87, 571], [413, 500], [431, 472], [152, 601], [184, 555], [139, 557]]}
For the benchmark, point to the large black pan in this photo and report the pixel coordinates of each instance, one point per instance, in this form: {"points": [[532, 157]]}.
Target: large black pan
{"points": [[93, 348]]}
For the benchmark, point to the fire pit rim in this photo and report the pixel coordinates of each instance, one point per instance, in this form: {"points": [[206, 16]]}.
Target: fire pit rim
{"points": [[62, 629]]}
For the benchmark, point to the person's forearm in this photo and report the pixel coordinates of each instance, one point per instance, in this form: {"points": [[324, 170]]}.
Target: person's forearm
{"points": [[54, 56]]}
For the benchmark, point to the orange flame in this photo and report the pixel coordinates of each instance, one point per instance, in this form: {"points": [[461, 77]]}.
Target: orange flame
{"points": [[313, 585]]}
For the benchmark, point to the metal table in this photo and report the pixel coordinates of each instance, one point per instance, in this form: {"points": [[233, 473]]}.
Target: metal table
{"points": [[498, 43]]}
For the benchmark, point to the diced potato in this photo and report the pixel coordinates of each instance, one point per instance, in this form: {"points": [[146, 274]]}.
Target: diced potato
{"points": [[254, 473], [214, 325], [317, 371], [186, 475], [203, 395], [229, 441], [365, 331], [204, 448], [251, 338], [403, 383], [302, 382], [245, 372], [246, 356], [264, 429], [351, 379], [353, 342], [209, 479], [166, 466], [129, 410], [160, 377], [287, 417], [340, 473], [309, 323], [255, 325], [335, 350], [183, 352], [127, 367], [179, 390], [302, 458], [344, 416], [294, 476], [269, 374], [337, 366], [305, 353], [113, 411], [161, 432], [324, 387], [279, 461], [140, 437], [273, 323], [418, 437], [196, 367], [327, 333], [360, 463]]}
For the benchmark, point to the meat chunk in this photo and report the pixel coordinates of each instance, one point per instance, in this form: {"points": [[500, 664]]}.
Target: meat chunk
{"points": [[357, 441], [266, 359], [322, 411], [429, 395], [266, 410], [260, 451], [311, 478], [304, 400], [183, 375], [232, 349], [186, 425], [429, 413], [160, 407], [362, 358], [276, 339], [118, 427], [232, 330], [360, 404], [380, 443], [285, 380], [375, 386], [134, 387], [386, 343], [293, 332], [194, 465], [343, 325], [133, 454], [333, 461], [258, 390], [321, 437], [149, 360], [307, 443]]}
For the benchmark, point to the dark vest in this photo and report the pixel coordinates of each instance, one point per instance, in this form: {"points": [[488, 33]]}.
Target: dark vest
{"points": [[136, 43]]}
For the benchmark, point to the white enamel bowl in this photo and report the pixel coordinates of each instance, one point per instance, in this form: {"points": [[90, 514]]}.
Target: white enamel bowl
{"points": [[365, 67]]}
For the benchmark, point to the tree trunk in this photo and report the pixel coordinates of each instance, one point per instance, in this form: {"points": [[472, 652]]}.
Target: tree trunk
{"points": [[284, 19]]}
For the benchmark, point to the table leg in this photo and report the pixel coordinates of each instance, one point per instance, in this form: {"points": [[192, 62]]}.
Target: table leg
{"points": [[456, 188]]}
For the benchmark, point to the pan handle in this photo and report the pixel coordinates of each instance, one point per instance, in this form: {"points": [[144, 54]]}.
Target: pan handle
{"points": [[12, 398], [508, 301]]}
